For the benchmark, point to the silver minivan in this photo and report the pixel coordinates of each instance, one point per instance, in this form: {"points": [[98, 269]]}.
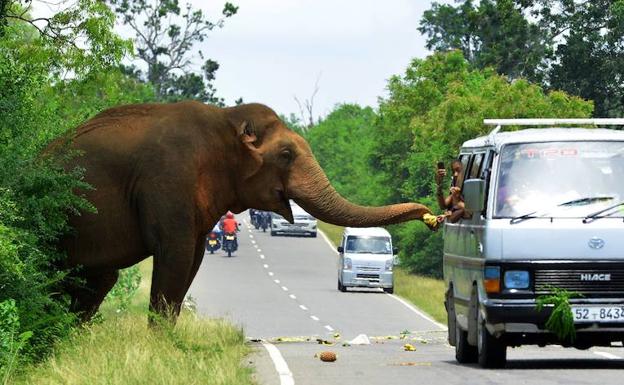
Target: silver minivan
{"points": [[544, 211], [366, 259]]}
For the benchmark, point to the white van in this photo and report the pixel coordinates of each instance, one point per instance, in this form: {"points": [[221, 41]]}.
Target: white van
{"points": [[366, 259], [545, 210]]}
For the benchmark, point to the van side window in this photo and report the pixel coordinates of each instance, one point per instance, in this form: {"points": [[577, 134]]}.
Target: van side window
{"points": [[486, 172], [464, 159], [476, 166]]}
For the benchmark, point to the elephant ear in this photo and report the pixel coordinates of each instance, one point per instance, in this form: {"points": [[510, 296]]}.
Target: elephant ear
{"points": [[247, 135]]}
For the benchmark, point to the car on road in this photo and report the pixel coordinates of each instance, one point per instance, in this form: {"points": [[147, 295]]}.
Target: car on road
{"points": [[544, 215], [366, 259], [304, 223]]}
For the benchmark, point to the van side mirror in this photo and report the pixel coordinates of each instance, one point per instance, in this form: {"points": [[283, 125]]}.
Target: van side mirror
{"points": [[395, 250], [340, 249], [474, 195]]}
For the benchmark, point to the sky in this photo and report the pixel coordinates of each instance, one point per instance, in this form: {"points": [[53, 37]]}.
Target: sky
{"points": [[274, 50]]}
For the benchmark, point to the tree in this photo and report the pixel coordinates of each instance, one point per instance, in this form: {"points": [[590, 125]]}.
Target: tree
{"points": [[575, 46], [165, 34]]}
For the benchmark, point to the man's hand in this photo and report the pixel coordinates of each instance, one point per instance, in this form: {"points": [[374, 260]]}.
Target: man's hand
{"points": [[455, 191]]}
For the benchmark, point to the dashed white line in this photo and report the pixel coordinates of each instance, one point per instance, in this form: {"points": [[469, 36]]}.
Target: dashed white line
{"points": [[607, 355], [284, 288], [265, 266], [259, 250], [261, 256], [285, 375], [331, 329], [303, 307], [314, 317], [276, 281], [253, 242], [270, 273], [293, 296], [250, 236]]}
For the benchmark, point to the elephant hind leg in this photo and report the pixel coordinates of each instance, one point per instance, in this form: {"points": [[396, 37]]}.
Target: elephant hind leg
{"points": [[88, 295]]}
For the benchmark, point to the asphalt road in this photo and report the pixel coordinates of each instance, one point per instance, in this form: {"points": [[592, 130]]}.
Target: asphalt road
{"points": [[282, 292]]}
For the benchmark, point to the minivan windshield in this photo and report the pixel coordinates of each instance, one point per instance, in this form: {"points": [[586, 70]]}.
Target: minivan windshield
{"points": [[559, 179], [371, 245]]}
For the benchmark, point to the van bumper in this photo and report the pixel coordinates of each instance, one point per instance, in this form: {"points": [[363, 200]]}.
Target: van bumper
{"points": [[365, 279], [521, 323]]}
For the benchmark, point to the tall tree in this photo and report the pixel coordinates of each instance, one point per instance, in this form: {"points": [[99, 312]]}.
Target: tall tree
{"points": [[576, 46], [165, 35]]}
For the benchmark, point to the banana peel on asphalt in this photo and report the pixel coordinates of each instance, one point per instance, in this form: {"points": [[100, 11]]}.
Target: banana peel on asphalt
{"points": [[409, 348]]}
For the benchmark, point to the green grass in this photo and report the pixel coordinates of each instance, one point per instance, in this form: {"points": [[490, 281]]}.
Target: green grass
{"points": [[122, 349], [424, 292]]}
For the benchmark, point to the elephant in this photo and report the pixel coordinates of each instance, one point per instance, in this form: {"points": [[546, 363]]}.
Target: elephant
{"points": [[163, 174]]}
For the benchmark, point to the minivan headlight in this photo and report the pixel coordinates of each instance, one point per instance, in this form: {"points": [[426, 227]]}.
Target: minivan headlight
{"points": [[389, 264], [347, 264], [517, 279]]}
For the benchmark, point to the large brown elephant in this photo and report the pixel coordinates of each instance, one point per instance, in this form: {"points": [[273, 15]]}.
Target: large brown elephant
{"points": [[163, 174]]}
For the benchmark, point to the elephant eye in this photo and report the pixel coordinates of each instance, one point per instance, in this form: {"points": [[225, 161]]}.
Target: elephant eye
{"points": [[286, 155]]}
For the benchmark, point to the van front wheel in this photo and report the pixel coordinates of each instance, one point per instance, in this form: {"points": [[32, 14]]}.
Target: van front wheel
{"points": [[492, 350]]}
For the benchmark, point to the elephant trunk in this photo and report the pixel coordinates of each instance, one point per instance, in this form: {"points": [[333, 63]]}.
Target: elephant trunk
{"points": [[310, 188]]}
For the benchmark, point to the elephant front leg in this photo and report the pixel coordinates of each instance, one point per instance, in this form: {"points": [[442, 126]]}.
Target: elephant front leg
{"points": [[172, 269]]}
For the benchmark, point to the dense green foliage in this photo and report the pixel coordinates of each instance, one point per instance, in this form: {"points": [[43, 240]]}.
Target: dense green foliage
{"points": [[574, 46], [38, 103], [434, 107]]}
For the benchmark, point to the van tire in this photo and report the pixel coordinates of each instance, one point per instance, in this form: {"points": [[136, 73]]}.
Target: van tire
{"points": [[492, 350], [464, 353], [389, 290], [341, 287]]}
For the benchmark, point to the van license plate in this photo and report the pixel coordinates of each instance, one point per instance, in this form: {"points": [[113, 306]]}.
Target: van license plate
{"points": [[598, 313]]}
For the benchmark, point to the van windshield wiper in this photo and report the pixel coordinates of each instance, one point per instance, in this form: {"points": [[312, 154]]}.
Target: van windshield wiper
{"points": [[574, 202], [593, 216], [586, 200]]}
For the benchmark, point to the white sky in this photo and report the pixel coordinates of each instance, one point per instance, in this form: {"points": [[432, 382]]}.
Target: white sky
{"points": [[272, 50]]}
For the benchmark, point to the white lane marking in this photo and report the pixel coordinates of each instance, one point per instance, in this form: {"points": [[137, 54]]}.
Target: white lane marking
{"points": [[420, 313], [331, 245], [284, 288], [259, 250], [254, 242], [314, 317], [303, 307], [261, 256], [607, 355], [292, 296], [331, 329], [265, 266], [270, 273], [285, 375], [276, 281], [251, 236]]}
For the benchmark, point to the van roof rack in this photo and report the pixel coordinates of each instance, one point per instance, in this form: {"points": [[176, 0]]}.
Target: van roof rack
{"points": [[499, 123]]}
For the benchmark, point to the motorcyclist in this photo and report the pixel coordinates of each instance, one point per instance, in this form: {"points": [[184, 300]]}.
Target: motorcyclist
{"points": [[230, 226]]}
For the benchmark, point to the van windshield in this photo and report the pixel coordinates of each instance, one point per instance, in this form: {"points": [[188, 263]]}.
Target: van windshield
{"points": [[372, 245], [559, 179]]}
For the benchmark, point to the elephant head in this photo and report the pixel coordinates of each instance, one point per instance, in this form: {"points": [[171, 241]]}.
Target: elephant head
{"points": [[279, 165]]}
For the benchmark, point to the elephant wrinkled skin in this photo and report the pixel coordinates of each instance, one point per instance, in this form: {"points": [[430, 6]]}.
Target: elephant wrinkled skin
{"points": [[163, 174]]}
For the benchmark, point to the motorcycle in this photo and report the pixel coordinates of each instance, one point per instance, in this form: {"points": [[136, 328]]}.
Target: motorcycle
{"points": [[265, 220], [230, 244], [212, 243]]}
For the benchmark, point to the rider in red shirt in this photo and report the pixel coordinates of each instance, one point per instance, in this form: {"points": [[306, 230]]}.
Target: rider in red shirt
{"points": [[229, 223]]}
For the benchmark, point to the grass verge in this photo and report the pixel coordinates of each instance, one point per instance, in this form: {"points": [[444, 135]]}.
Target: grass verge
{"points": [[122, 349], [424, 292]]}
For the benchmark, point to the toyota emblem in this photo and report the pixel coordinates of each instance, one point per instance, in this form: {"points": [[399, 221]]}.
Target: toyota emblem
{"points": [[596, 243]]}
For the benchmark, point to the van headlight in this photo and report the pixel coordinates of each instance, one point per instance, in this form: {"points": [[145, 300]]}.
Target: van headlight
{"points": [[389, 264], [347, 264], [517, 279]]}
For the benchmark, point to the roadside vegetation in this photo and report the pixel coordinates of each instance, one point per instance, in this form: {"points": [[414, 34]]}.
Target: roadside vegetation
{"points": [[120, 349]]}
